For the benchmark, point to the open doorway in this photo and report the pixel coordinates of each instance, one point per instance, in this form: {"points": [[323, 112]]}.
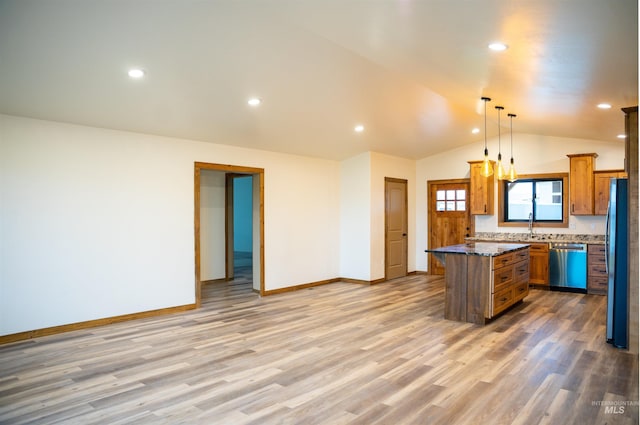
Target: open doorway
{"points": [[215, 233], [239, 226]]}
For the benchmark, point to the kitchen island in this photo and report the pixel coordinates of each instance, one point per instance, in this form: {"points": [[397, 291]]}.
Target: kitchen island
{"points": [[482, 279]]}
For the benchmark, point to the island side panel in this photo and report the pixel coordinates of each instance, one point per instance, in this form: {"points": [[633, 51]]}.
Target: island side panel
{"points": [[478, 287], [455, 293]]}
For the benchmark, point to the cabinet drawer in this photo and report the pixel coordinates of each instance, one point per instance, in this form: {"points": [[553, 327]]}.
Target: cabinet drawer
{"points": [[501, 278], [539, 247], [521, 255], [596, 259], [597, 270], [521, 271], [595, 249], [597, 285], [520, 291], [502, 260], [502, 299]]}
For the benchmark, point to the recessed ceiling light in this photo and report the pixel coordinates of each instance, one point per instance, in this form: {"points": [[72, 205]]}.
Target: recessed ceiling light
{"points": [[359, 128], [136, 73], [498, 47], [622, 136], [475, 131], [604, 106], [254, 101]]}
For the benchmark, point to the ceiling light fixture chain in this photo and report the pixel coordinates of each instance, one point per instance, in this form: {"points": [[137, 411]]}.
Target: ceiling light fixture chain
{"points": [[499, 168], [512, 175]]}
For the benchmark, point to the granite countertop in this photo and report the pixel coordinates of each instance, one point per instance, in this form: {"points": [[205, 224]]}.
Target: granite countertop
{"points": [[536, 237], [488, 249]]}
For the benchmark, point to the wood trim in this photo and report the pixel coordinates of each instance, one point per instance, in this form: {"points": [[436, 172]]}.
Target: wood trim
{"points": [[21, 336], [232, 169], [565, 201], [196, 229], [364, 282], [228, 226], [593, 154], [261, 184], [301, 286]]}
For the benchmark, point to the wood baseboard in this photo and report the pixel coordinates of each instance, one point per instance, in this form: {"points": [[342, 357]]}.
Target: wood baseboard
{"points": [[302, 286], [20, 336], [361, 282]]}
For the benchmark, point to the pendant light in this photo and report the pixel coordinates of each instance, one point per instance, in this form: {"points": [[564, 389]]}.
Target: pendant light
{"points": [[487, 168], [512, 175], [500, 174]]}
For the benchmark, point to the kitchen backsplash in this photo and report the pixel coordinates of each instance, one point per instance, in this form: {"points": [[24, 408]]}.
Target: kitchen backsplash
{"points": [[555, 237]]}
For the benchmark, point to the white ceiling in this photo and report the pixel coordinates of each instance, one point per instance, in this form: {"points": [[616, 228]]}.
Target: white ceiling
{"points": [[412, 72]]}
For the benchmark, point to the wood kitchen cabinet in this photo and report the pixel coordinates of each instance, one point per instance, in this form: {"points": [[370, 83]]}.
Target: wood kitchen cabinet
{"points": [[597, 278], [539, 264], [601, 180], [509, 281], [581, 183], [481, 190], [482, 279]]}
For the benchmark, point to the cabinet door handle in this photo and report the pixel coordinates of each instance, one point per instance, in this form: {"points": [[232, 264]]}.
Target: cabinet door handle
{"points": [[485, 207]]}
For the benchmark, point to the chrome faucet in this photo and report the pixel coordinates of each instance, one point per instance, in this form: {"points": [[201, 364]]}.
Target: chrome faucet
{"points": [[530, 224]]}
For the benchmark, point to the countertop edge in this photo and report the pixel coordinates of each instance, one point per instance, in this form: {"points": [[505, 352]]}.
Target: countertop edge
{"points": [[491, 249]]}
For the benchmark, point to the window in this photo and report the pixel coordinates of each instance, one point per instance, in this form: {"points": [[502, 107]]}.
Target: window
{"points": [[450, 200], [542, 197]]}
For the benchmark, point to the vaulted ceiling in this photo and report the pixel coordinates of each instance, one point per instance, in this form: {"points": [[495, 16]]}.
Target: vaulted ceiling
{"points": [[411, 72]]}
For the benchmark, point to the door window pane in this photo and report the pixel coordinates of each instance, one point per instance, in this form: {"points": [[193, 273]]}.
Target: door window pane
{"points": [[440, 195], [451, 205], [440, 206], [460, 205], [460, 194], [451, 194]]}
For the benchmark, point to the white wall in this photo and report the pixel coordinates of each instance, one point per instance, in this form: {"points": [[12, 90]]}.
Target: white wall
{"points": [[533, 154], [355, 217], [98, 223], [212, 225], [389, 166]]}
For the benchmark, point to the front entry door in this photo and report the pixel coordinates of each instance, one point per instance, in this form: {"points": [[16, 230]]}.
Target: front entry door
{"points": [[395, 228], [449, 218]]}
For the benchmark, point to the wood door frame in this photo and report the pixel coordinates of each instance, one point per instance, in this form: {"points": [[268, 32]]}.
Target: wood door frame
{"points": [[227, 169], [430, 183], [406, 221]]}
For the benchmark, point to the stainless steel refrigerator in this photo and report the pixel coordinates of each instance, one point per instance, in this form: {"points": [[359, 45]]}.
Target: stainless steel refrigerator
{"points": [[616, 262]]}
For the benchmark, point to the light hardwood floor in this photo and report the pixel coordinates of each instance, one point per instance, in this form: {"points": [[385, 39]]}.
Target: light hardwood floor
{"points": [[334, 354]]}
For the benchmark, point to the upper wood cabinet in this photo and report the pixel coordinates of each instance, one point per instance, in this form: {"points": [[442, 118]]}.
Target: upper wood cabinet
{"points": [[581, 181], [480, 190], [601, 182]]}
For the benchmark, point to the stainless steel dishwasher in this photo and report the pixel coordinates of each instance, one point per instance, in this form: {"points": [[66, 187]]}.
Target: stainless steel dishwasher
{"points": [[568, 267]]}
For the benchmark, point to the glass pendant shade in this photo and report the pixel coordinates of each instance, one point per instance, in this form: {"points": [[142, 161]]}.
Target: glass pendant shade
{"points": [[500, 174], [512, 175], [487, 166]]}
